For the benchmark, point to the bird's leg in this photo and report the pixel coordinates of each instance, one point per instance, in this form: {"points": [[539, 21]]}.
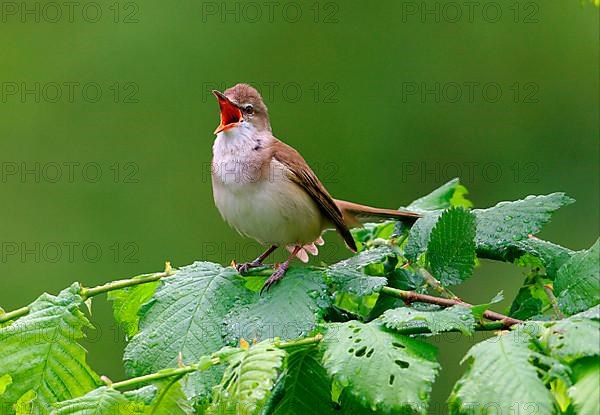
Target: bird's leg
{"points": [[247, 266], [280, 271]]}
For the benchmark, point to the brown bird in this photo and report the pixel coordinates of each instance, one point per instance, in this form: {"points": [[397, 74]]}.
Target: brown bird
{"points": [[266, 191]]}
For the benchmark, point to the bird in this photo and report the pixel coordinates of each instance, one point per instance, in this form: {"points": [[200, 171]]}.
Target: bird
{"points": [[265, 190]]}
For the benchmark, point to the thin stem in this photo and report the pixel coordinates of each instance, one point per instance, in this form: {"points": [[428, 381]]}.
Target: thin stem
{"points": [[413, 297], [550, 293], [166, 373], [436, 285], [117, 285], [19, 312]]}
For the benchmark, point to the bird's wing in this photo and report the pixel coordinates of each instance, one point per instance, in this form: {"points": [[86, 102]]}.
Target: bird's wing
{"points": [[301, 174]]}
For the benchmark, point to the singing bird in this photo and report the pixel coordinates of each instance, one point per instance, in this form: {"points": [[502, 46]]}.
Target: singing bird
{"points": [[266, 191]]}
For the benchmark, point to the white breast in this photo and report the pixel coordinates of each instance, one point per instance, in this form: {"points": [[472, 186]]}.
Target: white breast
{"points": [[273, 209]]}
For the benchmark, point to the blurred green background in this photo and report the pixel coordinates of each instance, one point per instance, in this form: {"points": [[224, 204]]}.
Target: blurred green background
{"points": [[106, 127]]}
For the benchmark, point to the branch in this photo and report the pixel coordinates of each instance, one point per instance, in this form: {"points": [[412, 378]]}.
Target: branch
{"points": [[86, 293], [413, 297], [198, 367]]}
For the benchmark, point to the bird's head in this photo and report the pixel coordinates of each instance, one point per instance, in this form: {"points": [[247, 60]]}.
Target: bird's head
{"points": [[242, 104]]}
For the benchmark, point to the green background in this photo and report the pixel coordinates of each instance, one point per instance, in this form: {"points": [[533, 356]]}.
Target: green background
{"points": [[346, 86]]}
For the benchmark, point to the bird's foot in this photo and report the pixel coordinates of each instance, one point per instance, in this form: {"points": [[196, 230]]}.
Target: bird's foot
{"points": [[276, 276], [245, 268]]}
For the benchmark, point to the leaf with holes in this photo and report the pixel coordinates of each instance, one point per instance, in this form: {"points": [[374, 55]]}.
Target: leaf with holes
{"points": [[127, 303], [501, 227], [306, 385], [406, 319], [41, 355], [248, 380], [501, 377], [349, 276], [382, 370], [577, 284], [451, 247], [186, 316], [289, 310]]}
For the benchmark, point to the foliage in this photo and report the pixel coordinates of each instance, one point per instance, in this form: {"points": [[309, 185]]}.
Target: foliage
{"points": [[349, 338]]}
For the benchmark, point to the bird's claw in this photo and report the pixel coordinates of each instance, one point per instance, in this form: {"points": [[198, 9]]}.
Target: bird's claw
{"points": [[272, 280], [244, 268]]}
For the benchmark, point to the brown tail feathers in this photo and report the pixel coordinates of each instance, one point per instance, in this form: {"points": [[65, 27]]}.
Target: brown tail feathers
{"points": [[355, 214]]}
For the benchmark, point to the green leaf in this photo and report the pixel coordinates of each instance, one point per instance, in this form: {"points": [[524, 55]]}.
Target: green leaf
{"points": [[101, 401], [449, 194], [451, 247], [306, 386], [41, 354], [551, 255], [500, 228], [479, 309], [127, 303], [577, 284], [348, 275], [289, 310], [418, 238], [5, 380], [186, 316], [248, 380], [501, 379], [570, 339], [585, 392], [450, 319], [163, 397], [382, 370]]}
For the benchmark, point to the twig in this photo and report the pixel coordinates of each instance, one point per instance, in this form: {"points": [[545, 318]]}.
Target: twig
{"points": [[91, 292], [436, 285], [413, 297], [550, 293]]}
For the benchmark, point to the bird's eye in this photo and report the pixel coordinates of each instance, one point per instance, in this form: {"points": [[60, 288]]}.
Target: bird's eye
{"points": [[249, 109]]}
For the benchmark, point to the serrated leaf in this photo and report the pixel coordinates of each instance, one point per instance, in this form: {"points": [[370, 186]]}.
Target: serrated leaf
{"points": [[569, 339], [306, 386], [500, 228], [552, 256], [451, 247], [289, 310], [449, 194], [41, 354], [348, 275], [101, 401], [577, 284], [418, 238], [185, 316], [164, 397], [479, 309], [501, 379], [248, 380], [127, 303], [449, 319], [585, 392], [382, 370]]}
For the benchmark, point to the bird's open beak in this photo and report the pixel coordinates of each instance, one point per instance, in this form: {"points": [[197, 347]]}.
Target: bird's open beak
{"points": [[230, 113]]}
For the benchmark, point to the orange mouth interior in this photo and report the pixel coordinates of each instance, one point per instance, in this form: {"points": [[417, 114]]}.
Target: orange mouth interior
{"points": [[230, 114]]}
